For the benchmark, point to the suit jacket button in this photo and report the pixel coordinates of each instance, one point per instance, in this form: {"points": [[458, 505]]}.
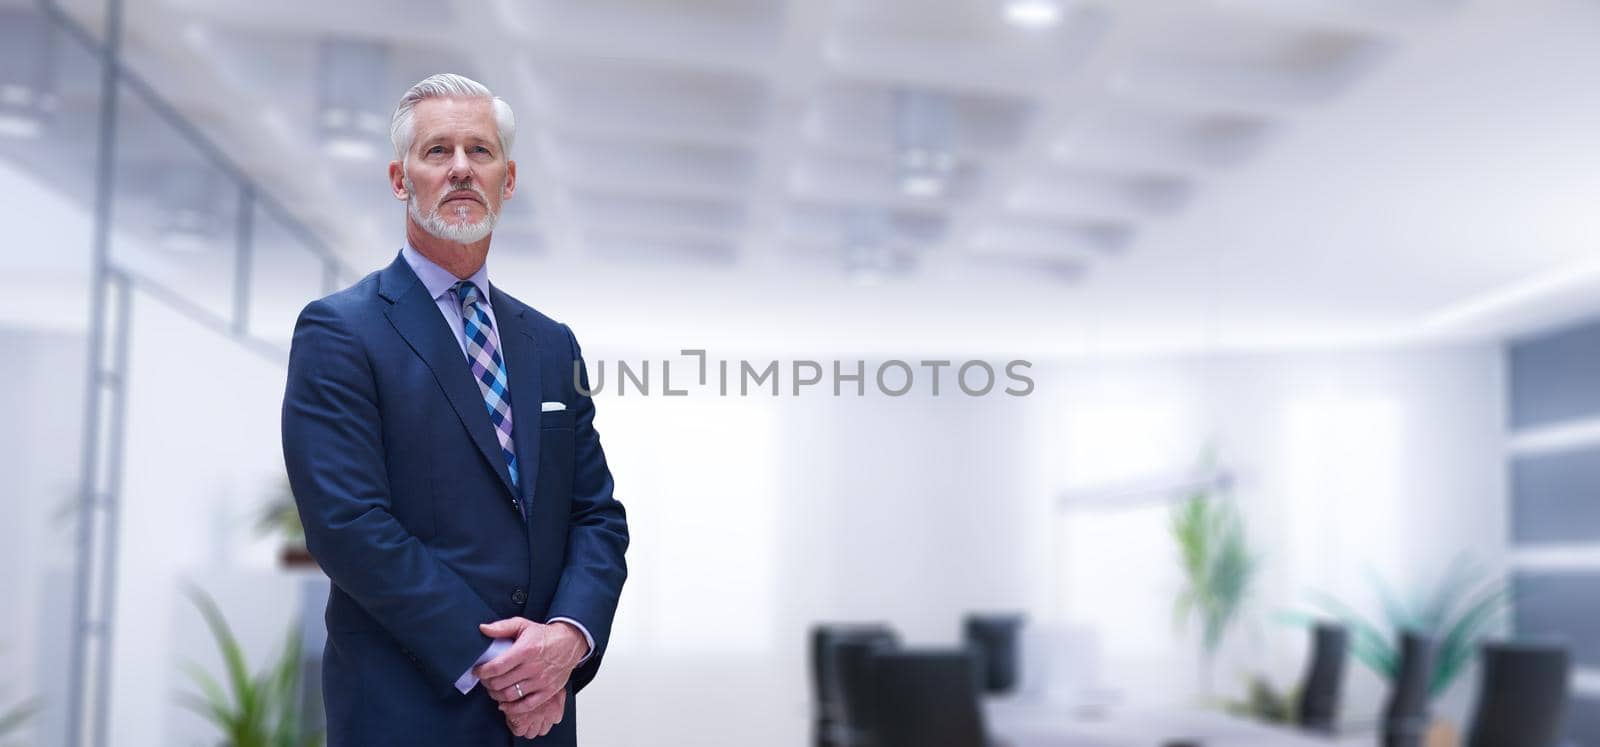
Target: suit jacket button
{"points": [[519, 597]]}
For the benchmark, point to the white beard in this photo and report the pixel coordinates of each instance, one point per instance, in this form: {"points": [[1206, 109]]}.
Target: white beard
{"points": [[434, 224]]}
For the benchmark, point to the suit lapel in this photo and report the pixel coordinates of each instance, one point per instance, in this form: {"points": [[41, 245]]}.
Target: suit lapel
{"points": [[416, 317], [520, 351]]}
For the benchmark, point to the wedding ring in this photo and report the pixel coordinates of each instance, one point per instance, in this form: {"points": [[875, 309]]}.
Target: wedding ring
{"points": [[519, 689]]}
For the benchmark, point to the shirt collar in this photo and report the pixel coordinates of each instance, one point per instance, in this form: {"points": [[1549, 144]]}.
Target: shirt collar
{"points": [[438, 280]]}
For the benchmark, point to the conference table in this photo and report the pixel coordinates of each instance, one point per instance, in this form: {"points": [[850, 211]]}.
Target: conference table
{"points": [[1043, 724]]}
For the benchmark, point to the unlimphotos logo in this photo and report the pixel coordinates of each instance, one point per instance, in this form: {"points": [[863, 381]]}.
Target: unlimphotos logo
{"points": [[893, 378]]}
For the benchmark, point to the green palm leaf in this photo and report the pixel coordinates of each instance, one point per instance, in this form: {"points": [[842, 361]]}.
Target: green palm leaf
{"points": [[1394, 611], [1460, 640], [1434, 614], [260, 710]]}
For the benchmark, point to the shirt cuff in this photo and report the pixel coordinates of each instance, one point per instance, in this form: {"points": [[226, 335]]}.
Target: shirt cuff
{"points": [[581, 629], [468, 680]]}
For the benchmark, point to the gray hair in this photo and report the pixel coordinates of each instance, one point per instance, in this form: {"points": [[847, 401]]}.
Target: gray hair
{"points": [[403, 127]]}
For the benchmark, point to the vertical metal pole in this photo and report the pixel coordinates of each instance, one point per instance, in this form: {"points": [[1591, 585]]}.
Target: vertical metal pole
{"points": [[87, 634], [243, 247], [111, 503]]}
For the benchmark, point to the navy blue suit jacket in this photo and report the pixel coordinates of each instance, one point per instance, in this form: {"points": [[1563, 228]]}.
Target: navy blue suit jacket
{"points": [[407, 505]]}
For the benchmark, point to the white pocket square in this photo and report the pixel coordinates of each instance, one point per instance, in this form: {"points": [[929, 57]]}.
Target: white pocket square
{"points": [[552, 406]]}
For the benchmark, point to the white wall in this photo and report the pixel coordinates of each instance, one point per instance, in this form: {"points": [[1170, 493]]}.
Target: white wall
{"points": [[41, 392]]}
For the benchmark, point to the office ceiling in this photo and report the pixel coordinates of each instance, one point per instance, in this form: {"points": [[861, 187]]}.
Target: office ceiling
{"points": [[929, 174]]}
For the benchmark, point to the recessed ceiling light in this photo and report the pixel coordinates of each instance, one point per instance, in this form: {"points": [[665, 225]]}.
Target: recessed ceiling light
{"points": [[18, 126], [923, 172], [350, 149], [1033, 14], [922, 185], [197, 35]]}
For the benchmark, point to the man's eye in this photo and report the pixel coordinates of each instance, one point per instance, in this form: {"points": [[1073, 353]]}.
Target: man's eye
{"points": [[436, 149], [481, 149]]}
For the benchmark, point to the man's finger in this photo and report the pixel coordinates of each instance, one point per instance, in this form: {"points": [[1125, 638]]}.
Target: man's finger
{"points": [[507, 676], [500, 666], [503, 688], [521, 708], [544, 722], [507, 628], [511, 663], [530, 691], [523, 728], [527, 704], [528, 709], [527, 677], [532, 676], [551, 712]]}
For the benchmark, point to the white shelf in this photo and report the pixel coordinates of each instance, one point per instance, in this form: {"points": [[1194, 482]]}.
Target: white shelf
{"points": [[1143, 492], [1565, 436], [1578, 557], [1586, 682]]}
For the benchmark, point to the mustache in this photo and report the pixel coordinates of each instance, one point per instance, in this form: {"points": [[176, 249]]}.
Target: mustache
{"points": [[457, 188]]}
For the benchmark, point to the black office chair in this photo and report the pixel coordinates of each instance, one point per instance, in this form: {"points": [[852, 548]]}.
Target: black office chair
{"points": [[855, 665], [1523, 698], [1405, 717], [1319, 695], [828, 728], [929, 699], [994, 639]]}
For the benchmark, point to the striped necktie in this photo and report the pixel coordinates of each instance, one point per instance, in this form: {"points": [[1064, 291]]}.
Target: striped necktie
{"points": [[483, 352]]}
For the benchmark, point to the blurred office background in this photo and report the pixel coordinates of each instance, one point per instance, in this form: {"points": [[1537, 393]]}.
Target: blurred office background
{"points": [[1328, 265]]}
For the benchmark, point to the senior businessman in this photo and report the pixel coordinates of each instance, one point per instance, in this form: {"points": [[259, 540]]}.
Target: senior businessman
{"points": [[447, 469]]}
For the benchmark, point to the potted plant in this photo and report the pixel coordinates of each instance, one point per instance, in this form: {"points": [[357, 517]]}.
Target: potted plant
{"points": [[1265, 702], [280, 516], [260, 710], [1218, 571]]}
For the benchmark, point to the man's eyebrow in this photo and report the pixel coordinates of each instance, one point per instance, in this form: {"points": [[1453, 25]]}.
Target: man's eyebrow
{"points": [[470, 137]]}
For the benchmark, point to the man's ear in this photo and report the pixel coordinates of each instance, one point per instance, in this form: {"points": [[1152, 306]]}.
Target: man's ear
{"points": [[511, 180], [397, 180]]}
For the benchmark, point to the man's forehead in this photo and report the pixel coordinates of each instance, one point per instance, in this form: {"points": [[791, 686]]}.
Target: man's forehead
{"points": [[445, 116]]}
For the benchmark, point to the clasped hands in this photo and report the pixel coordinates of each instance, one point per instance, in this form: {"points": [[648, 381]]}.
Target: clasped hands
{"points": [[529, 680]]}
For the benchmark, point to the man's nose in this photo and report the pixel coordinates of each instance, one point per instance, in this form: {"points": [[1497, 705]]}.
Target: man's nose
{"points": [[460, 167]]}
